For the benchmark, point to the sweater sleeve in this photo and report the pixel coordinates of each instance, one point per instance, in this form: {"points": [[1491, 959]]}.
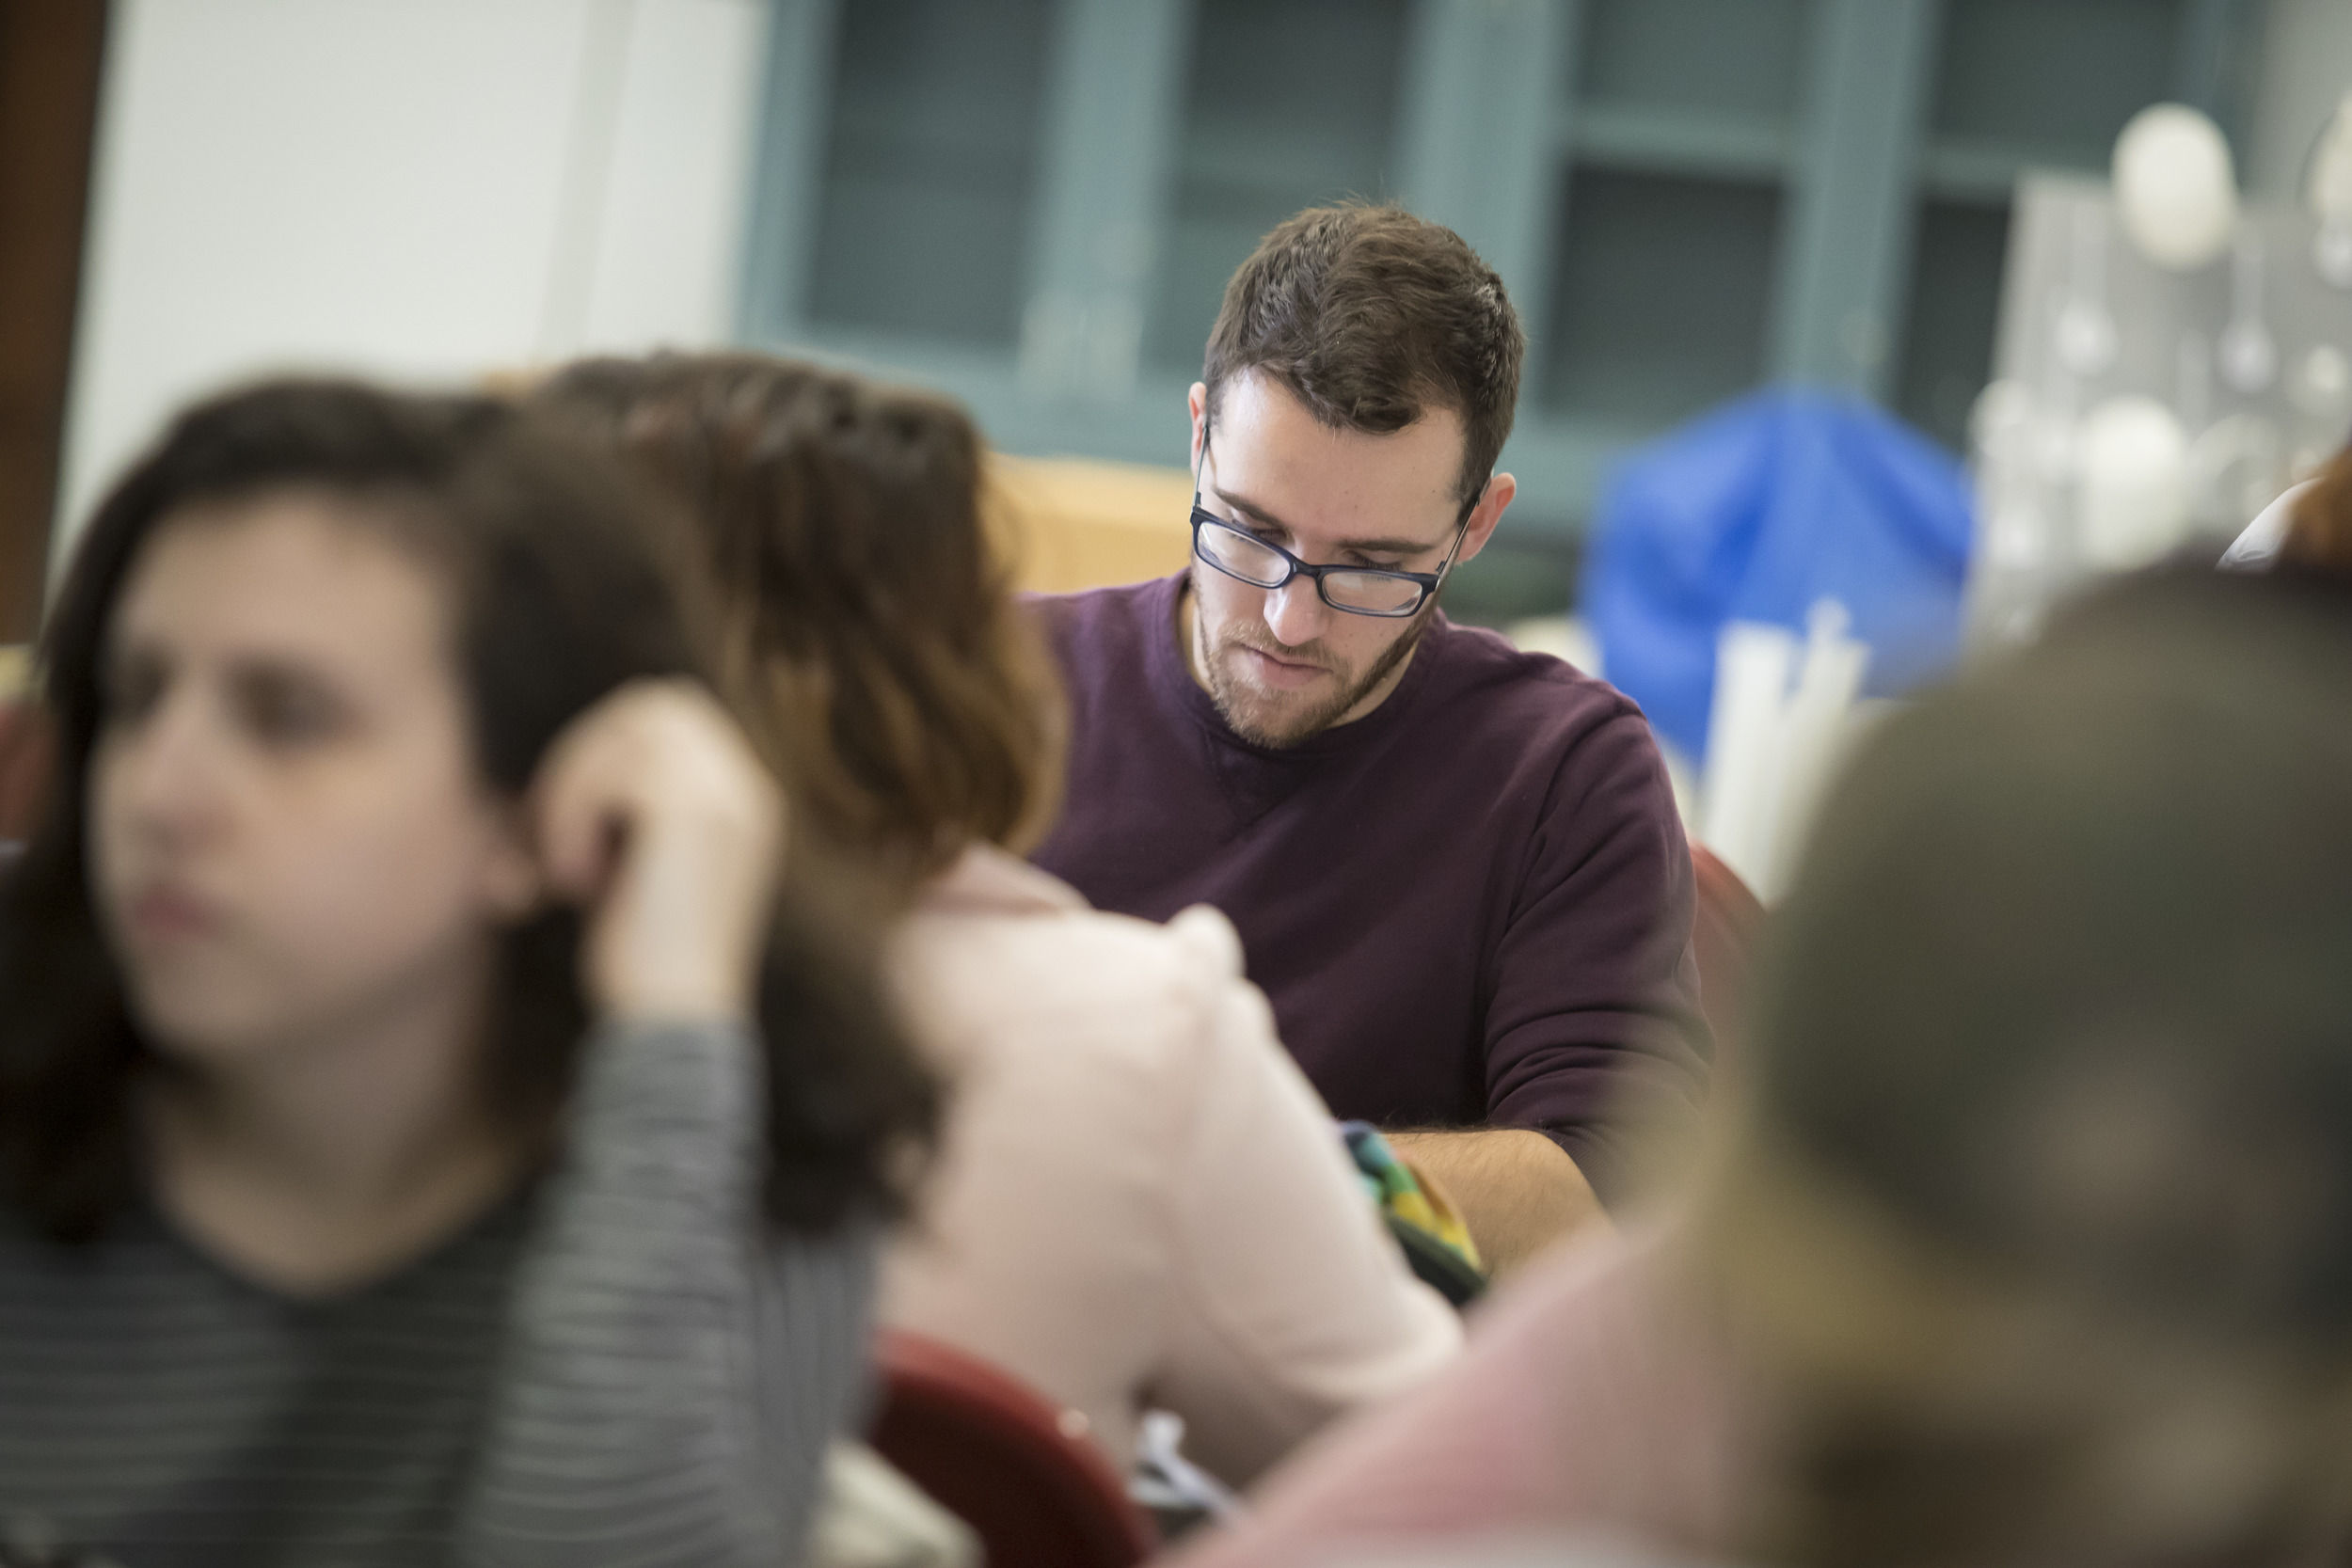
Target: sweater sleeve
{"points": [[672, 1368], [1292, 1305], [1593, 1025]]}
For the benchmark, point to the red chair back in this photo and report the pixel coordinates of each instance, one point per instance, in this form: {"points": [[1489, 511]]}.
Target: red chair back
{"points": [[1727, 920], [1022, 1473]]}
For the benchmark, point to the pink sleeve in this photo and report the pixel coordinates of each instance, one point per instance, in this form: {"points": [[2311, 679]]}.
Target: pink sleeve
{"points": [[1561, 1418], [1294, 1304]]}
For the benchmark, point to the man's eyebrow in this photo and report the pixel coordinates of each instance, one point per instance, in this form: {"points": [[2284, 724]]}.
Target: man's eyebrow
{"points": [[1361, 546]]}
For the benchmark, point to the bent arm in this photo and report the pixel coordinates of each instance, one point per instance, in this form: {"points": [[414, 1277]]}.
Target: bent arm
{"points": [[1518, 1191], [671, 1373], [1595, 1039], [1295, 1302]]}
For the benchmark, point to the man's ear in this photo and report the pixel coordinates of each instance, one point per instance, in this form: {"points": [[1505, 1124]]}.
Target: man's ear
{"points": [[1196, 399], [513, 886], [1492, 502]]}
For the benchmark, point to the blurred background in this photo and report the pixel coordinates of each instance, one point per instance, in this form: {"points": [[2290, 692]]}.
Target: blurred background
{"points": [[1034, 204]]}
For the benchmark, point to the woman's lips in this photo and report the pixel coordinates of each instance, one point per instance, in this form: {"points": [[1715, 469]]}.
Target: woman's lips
{"points": [[169, 914]]}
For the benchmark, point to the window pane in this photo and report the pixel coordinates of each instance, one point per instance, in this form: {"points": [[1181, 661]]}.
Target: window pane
{"points": [[1954, 309], [1288, 104], [1661, 296], [2063, 74], [1732, 59], [930, 167]]}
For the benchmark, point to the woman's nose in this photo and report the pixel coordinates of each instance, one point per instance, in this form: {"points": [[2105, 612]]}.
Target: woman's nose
{"points": [[164, 768]]}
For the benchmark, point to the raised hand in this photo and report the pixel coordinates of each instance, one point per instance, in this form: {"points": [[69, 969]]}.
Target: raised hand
{"points": [[655, 815]]}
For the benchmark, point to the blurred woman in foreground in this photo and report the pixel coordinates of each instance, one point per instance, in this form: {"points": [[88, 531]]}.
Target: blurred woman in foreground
{"points": [[418, 1142], [1139, 1199], [2035, 1246]]}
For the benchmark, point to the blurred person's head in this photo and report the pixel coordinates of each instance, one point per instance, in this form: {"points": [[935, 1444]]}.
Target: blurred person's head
{"points": [[303, 670], [1359, 386], [832, 534], [2039, 1235], [2319, 529]]}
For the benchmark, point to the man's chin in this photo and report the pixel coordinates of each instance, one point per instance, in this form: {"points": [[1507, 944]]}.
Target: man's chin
{"points": [[1277, 719], [1273, 729]]}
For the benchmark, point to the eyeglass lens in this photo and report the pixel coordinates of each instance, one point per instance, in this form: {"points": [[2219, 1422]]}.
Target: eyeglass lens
{"points": [[1260, 565]]}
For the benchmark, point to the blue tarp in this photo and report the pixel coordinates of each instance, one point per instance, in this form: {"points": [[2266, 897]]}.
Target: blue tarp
{"points": [[1753, 513]]}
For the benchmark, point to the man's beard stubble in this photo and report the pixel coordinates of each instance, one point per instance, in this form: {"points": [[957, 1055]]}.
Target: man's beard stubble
{"points": [[1230, 695]]}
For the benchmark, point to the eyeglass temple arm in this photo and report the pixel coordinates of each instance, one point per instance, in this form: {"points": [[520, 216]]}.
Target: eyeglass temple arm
{"points": [[1456, 549]]}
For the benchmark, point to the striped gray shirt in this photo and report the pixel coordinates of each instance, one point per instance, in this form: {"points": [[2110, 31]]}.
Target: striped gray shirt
{"points": [[624, 1366]]}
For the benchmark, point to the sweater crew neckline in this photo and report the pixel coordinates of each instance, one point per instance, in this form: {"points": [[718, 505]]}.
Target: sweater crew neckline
{"points": [[1173, 684]]}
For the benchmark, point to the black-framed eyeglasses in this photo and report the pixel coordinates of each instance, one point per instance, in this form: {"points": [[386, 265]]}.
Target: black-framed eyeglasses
{"points": [[1353, 590]]}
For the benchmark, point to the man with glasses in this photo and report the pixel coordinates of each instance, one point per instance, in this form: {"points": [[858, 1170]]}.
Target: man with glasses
{"points": [[1456, 869]]}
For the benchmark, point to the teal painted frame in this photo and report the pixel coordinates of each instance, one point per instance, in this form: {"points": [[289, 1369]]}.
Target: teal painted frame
{"points": [[1486, 117]]}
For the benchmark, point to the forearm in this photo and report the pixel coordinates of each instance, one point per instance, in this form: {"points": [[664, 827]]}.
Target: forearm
{"points": [[1517, 1190], [633, 1418]]}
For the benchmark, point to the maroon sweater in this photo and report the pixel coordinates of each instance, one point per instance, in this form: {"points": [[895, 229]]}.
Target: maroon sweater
{"points": [[1470, 908]]}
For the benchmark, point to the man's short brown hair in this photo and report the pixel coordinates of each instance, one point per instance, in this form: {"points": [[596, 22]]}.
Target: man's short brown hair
{"points": [[1371, 317]]}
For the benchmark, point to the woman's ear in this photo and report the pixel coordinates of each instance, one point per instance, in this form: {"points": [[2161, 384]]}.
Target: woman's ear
{"points": [[513, 885]]}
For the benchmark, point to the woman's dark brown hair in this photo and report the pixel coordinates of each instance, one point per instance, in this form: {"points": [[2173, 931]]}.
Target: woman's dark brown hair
{"points": [[557, 602], [832, 531]]}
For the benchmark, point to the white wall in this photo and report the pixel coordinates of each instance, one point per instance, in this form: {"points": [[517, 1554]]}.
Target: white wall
{"points": [[418, 189]]}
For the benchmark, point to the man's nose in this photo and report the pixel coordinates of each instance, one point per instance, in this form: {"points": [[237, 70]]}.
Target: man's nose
{"points": [[1295, 613]]}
